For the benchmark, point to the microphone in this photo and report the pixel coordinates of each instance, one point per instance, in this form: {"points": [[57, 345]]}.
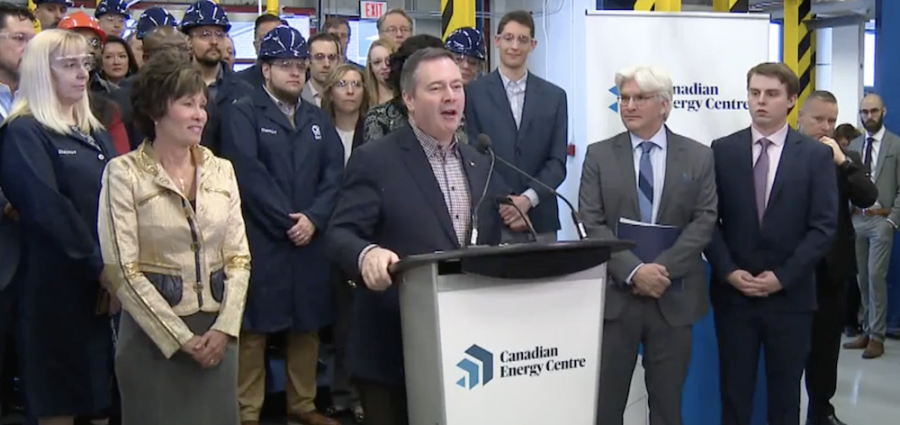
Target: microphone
{"points": [[484, 146], [474, 236]]}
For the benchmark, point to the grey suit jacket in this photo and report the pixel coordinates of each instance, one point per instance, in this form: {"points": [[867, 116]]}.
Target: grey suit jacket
{"points": [[9, 246], [886, 172], [307, 94], [608, 192]]}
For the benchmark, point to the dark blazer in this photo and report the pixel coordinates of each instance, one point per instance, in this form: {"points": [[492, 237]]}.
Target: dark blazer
{"points": [[123, 99], [9, 246], [538, 146], [391, 198], [283, 169], [252, 75], [856, 189], [797, 228]]}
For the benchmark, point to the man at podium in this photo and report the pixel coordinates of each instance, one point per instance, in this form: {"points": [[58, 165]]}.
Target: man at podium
{"points": [[411, 192], [656, 188]]}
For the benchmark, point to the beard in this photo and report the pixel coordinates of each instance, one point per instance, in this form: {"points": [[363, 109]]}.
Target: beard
{"points": [[873, 125]]}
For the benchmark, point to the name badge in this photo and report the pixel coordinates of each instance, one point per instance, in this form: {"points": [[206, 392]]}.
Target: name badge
{"points": [[267, 130], [67, 152], [317, 133]]}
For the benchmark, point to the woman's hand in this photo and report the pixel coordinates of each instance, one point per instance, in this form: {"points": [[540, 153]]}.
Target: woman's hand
{"points": [[213, 348]]}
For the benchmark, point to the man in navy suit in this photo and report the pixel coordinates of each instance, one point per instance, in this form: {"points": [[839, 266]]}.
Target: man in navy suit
{"points": [[778, 204], [528, 122], [411, 192]]}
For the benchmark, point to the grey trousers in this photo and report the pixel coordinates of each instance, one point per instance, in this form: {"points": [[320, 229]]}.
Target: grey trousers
{"points": [[874, 241]]}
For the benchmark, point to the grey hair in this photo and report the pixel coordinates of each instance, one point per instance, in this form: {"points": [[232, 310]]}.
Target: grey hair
{"points": [[651, 80], [408, 78]]}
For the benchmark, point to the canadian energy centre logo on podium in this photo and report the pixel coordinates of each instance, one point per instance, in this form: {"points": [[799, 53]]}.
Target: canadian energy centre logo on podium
{"points": [[478, 365]]}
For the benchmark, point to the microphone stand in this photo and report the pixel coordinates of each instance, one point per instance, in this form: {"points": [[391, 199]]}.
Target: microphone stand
{"points": [[473, 240]]}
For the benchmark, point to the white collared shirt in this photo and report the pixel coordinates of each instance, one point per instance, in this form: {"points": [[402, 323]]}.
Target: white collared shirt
{"points": [[876, 147], [657, 162], [775, 149]]}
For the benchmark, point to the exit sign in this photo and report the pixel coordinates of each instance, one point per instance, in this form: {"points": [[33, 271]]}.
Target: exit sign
{"points": [[372, 9]]}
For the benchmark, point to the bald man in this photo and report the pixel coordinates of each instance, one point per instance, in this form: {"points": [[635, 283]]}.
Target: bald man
{"points": [[875, 226], [160, 39]]}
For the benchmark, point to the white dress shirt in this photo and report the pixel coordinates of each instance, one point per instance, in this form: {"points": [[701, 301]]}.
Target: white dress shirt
{"points": [[347, 140], [515, 93], [658, 164], [775, 148]]}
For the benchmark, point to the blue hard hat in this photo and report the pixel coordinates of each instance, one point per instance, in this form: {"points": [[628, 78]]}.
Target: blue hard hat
{"points": [[119, 7], [152, 18], [468, 42], [283, 42], [67, 3], [203, 13]]}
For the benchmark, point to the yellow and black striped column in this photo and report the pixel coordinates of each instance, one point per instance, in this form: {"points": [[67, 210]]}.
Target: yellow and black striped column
{"points": [[799, 49], [639, 5], [36, 23], [456, 14], [668, 5], [732, 6]]}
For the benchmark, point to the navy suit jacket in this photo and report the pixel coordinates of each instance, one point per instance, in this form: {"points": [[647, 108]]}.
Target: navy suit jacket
{"points": [[538, 146], [9, 246], [391, 198], [797, 228]]}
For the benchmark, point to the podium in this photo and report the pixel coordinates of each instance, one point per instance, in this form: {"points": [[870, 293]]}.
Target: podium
{"points": [[506, 334]]}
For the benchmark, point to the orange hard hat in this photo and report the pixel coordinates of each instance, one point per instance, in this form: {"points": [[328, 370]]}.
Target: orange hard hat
{"points": [[82, 20]]}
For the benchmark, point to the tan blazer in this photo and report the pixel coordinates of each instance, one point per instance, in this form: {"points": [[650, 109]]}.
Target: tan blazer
{"points": [[167, 259]]}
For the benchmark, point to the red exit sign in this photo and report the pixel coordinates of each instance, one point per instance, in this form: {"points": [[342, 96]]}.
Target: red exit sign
{"points": [[372, 9]]}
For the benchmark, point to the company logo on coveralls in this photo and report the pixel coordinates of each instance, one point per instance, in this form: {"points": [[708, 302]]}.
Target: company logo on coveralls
{"points": [[695, 97], [480, 368]]}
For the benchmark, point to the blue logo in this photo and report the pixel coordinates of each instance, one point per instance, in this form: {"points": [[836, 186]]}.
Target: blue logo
{"points": [[480, 370], [615, 105]]}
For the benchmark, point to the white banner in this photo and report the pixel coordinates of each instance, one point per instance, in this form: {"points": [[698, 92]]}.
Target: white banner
{"points": [[524, 354], [707, 55]]}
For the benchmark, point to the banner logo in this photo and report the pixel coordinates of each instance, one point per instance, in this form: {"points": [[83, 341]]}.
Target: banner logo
{"points": [[695, 97], [482, 371], [615, 105]]}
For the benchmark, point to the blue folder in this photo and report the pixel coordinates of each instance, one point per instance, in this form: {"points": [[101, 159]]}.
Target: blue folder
{"points": [[650, 241]]}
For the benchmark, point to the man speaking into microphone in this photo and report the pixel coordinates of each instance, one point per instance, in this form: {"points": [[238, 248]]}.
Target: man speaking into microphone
{"points": [[415, 191]]}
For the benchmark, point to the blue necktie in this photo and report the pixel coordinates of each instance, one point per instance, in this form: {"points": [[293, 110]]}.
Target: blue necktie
{"points": [[645, 183]]}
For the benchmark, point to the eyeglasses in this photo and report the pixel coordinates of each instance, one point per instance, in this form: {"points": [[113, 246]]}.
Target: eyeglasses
{"points": [[395, 30], [94, 42], [321, 57], [343, 84], [73, 63], [113, 18], [467, 61], [16, 37], [207, 34], [291, 65], [639, 100], [512, 38]]}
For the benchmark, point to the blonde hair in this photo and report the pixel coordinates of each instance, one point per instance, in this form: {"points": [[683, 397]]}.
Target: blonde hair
{"points": [[37, 93], [333, 78], [369, 78]]}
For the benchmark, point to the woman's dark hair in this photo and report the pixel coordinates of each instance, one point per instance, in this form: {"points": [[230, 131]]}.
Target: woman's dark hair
{"points": [[398, 58], [167, 76], [132, 63], [847, 132]]}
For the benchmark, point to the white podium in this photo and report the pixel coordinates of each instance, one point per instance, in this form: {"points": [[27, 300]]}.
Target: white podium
{"points": [[507, 335]]}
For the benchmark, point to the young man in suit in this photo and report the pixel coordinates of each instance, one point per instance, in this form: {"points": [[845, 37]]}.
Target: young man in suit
{"points": [[527, 120], [816, 119], [411, 192], [649, 174], [778, 203], [876, 226]]}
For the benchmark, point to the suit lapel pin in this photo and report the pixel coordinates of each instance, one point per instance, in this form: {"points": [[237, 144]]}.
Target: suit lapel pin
{"points": [[471, 163]]}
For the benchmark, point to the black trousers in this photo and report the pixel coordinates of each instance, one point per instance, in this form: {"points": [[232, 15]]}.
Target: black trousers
{"points": [[383, 404], [854, 299], [825, 348]]}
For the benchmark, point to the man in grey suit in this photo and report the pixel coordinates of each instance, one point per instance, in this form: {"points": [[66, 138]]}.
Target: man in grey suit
{"points": [[875, 226], [325, 55], [652, 175]]}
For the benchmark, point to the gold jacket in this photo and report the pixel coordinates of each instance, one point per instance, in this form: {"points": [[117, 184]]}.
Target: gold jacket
{"points": [[165, 259]]}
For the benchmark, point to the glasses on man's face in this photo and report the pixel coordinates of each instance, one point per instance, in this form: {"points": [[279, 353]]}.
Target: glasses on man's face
{"points": [[17, 37], [74, 63], [344, 84], [522, 40], [398, 30], [639, 100], [94, 42], [291, 65], [467, 61], [209, 35], [321, 57]]}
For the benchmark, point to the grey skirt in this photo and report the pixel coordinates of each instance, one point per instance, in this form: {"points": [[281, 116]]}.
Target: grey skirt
{"points": [[176, 391]]}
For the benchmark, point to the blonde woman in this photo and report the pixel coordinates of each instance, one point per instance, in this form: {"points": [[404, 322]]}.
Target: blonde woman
{"points": [[378, 69], [52, 154], [176, 253], [346, 100]]}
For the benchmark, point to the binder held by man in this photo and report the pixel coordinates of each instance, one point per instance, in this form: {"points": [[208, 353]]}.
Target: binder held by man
{"points": [[650, 240]]}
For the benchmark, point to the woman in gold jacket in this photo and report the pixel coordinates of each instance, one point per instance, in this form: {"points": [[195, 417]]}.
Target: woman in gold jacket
{"points": [[176, 254]]}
